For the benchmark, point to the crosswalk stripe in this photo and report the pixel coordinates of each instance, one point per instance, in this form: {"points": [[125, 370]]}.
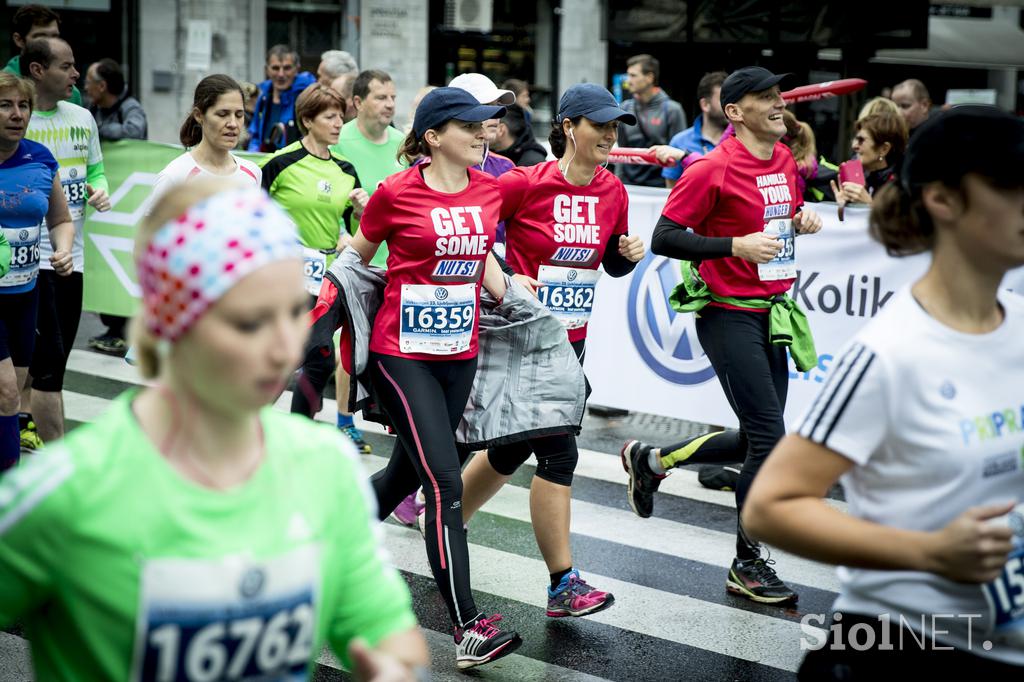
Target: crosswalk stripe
{"points": [[692, 622]]}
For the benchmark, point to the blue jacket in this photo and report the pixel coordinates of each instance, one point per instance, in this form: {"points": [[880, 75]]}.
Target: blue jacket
{"points": [[262, 111]]}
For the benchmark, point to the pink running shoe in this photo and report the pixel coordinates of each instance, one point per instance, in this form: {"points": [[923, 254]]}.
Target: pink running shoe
{"points": [[408, 510], [574, 597]]}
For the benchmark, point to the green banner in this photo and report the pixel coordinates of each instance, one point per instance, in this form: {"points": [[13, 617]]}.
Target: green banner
{"points": [[131, 168]]}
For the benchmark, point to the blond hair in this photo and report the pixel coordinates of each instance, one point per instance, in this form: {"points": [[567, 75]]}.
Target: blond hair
{"points": [[877, 105], [24, 87], [176, 202]]}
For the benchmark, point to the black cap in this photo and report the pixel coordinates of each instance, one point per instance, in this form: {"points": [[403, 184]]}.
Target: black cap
{"points": [[745, 80], [446, 104], [592, 102], [970, 138]]}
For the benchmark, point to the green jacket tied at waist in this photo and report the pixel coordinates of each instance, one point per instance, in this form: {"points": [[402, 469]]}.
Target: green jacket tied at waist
{"points": [[787, 325]]}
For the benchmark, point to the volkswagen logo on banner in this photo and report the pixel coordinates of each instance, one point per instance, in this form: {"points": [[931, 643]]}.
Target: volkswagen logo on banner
{"points": [[665, 339]]}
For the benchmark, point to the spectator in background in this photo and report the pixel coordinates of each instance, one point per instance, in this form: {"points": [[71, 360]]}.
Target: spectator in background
{"points": [[912, 97], [658, 119], [30, 23], [343, 86], [273, 123], [877, 105], [118, 115], [250, 94], [879, 142], [515, 139], [521, 89], [705, 133], [335, 63]]}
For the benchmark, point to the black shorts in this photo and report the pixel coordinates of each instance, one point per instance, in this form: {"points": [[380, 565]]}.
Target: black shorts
{"points": [[60, 311], [18, 326]]}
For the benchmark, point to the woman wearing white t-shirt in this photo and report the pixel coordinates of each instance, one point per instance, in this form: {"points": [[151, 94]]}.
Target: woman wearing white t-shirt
{"points": [[922, 418], [209, 133]]}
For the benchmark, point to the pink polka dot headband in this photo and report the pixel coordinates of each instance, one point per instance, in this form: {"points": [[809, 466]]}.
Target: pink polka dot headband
{"points": [[197, 257]]}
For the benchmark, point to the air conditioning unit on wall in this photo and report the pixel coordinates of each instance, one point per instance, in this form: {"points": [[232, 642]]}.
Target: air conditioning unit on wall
{"points": [[469, 15]]}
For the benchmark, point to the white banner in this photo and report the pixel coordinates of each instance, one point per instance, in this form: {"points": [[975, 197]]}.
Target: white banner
{"points": [[643, 356]]}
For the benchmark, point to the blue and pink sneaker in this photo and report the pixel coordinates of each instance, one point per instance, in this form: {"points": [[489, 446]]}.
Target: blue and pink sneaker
{"points": [[574, 597]]}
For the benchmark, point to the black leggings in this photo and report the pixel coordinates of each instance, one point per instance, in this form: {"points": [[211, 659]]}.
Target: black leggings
{"points": [[60, 311], [425, 401], [557, 455], [754, 374]]}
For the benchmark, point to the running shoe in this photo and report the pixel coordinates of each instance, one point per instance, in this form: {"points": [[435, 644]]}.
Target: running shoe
{"points": [[408, 511], [643, 482], [574, 597], [30, 439], [756, 580], [482, 643], [356, 436], [109, 344]]}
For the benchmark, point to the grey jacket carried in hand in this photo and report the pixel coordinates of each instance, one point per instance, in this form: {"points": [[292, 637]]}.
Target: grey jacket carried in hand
{"points": [[528, 381]]}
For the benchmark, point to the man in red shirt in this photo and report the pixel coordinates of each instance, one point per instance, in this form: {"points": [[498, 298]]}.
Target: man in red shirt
{"points": [[742, 203]]}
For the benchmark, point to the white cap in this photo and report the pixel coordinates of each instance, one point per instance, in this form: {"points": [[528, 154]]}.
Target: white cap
{"points": [[483, 88]]}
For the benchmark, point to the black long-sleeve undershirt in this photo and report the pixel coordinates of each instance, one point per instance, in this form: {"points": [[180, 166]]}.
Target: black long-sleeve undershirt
{"points": [[615, 264], [675, 241]]}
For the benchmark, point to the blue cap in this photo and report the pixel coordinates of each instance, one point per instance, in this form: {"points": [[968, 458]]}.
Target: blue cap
{"points": [[592, 102], [446, 104]]}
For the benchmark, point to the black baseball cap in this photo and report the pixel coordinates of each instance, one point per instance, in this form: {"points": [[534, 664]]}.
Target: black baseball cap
{"points": [[745, 80], [446, 104], [971, 138], [592, 102]]}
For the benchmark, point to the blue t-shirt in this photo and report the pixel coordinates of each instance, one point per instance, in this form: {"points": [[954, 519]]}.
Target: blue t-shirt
{"points": [[691, 140], [26, 180]]}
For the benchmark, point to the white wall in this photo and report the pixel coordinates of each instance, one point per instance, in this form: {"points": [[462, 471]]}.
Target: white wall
{"points": [[584, 56], [393, 37], [239, 43]]}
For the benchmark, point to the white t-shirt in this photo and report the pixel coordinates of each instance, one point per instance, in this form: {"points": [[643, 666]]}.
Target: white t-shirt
{"points": [[185, 168], [70, 133], [934, 421]]}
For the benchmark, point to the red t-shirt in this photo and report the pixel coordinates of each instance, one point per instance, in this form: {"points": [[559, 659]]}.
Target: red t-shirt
{"points": [[731, 193], [549, 221], [437, 245]]}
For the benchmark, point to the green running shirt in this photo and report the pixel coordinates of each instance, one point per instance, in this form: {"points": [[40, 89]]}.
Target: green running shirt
{"points": [[374, 162], [314, 191], [121, 569]]}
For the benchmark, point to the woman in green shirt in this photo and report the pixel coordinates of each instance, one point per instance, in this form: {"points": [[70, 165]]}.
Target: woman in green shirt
{"points": [[192, 532]]}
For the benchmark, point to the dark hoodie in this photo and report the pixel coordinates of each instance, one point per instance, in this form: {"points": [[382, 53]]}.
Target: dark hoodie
{"points": [[525, 151]]}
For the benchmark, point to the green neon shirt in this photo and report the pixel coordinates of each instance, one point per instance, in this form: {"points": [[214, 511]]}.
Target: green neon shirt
{"points": [[119, 568], [314, 191], [374, 162]]}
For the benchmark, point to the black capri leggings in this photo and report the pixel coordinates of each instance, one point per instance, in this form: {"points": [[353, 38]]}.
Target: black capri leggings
{"points": [[425, 401], [754, 374], [557, 455], [60, 311]]}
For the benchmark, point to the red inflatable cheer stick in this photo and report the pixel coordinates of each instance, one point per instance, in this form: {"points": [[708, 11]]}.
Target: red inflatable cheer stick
{"points": [[636, 155], [809, 93]]}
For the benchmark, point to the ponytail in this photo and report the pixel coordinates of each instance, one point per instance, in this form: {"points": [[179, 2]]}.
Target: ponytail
{"points": [[191, 132], [557, 139], [899, 221], [414, 148]]}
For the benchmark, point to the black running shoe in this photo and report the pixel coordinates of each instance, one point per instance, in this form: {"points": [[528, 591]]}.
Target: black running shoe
{"points": [[643, 482], [482, 642], [756, 580]]}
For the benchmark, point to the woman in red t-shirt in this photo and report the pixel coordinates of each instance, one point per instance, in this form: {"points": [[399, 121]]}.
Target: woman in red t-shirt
{"points": [[439, 222], [563, 219]]}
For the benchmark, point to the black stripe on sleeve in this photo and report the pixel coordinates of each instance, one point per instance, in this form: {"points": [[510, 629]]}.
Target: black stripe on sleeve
{"points": [[846, 401], [829, 390]]}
